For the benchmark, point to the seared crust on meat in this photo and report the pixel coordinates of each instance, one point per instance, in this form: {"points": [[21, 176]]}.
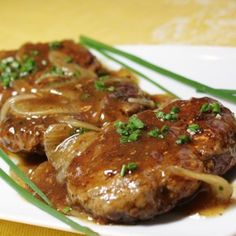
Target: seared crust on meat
{"points": [[95, 184]]}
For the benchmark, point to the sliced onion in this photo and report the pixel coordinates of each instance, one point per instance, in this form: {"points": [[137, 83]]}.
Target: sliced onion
{"points": [[45, 76], [78, 124], [59, 84], [58, 59], [142, 101], [61, 148], [124, 73], [219, 186], [117, 80], [44, 105], [67, 109], [7, 105], [71, 69]]}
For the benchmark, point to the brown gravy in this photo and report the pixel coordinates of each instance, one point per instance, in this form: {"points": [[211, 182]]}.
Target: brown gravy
{"points": [[203, 203]]}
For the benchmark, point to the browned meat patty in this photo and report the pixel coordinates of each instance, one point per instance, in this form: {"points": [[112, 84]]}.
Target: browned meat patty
{"points": [[60, 81], [198, 135], [22, 68]]}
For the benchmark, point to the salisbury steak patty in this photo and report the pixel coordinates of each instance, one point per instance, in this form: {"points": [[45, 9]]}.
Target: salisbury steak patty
{"points": [[199, 135], [47, 83]]}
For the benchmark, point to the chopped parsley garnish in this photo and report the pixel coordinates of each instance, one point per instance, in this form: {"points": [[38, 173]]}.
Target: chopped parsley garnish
{"points": [[67, 210], [182, 139], [132, 166], [55, 45], [165, 129], [193, 128], [135, 122], [130, 131], [159, 133], [12, 69], [171, 116], [175, 110], [100, 84], [215, 107], [129, 167], [210, 107], [27, 66], [154, 132], [205, 107], [123, 170]]}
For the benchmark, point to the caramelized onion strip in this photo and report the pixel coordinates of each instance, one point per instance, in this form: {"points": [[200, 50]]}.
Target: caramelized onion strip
{"points": [[66, 110], [61, 147], [72, 70], [78, 124], [7, 105], [142, 101], [219, 186]]}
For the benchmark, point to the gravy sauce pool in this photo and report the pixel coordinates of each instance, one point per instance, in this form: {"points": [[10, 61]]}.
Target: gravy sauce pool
{"points": [[38, 169], [44, 176]]}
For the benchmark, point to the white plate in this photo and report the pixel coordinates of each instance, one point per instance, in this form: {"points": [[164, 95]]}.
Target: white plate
{"points": [[211, 65]]}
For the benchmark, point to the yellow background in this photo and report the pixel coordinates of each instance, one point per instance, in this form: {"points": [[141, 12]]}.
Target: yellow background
{"points": [[204, 22]]}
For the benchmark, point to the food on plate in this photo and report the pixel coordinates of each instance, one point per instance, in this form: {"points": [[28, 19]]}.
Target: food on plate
{"points": [[139, 167], [112, 151], [60, 82], [124, 175]]}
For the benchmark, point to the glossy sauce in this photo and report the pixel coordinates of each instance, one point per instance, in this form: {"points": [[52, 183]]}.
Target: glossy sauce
{"points": [[99, 108], [202, 203], [205, 204], [56, 96]]}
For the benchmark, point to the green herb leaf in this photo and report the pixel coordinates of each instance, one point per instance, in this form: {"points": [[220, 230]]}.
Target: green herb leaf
{"points": [[103, 48], [175, 110], [193, 128], [130, 131], [123, 170], [215, 107], [210, 107], [154, 132], [55, 45], [182, 139], [28, 66], [134, 136], [205, 107], [11, 69], [171, 116], [67, 210], [135, 122], [132, 166], [100, 85], [164, 129], [160, 134]]}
